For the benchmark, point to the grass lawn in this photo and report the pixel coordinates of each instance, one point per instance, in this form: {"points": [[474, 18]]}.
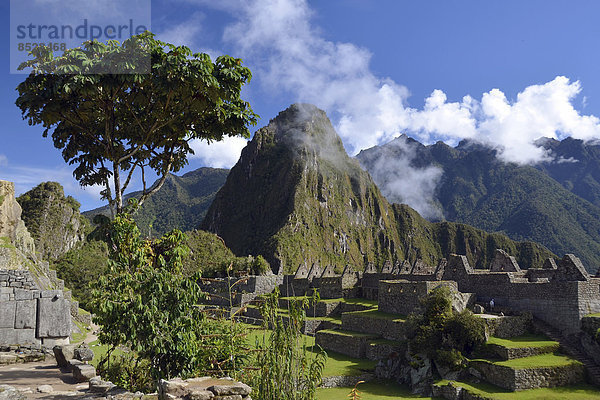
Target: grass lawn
{"points": [[524, 341], [370, 391], [336, 365], [575, 392], [539, 361], [375, 313], [360, 302]]}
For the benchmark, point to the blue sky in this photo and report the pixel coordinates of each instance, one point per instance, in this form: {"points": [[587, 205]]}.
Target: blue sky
{"points": [[503, 73]]}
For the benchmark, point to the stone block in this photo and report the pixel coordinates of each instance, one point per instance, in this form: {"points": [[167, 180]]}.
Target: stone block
{"points": [[83, 372], [51, 342], [6, 290], [63, 354], [23, 294], [233, 389], [4, 297], [97, 385], [26, 336], [7, 314], [8, 336], [48, 294], [53, 317], [25, 314]]}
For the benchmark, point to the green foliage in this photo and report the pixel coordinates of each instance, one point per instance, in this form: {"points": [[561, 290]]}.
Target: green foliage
{"points": [[110, 117], [286, 371], [146, 302], [297, 198], [443, 335], [52, 218], [555, 204], [128, 371], [210, 256], [80, 266]]}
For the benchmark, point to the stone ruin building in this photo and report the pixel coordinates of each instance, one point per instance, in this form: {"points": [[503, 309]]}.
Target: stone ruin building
{"points": [[34, 309]]}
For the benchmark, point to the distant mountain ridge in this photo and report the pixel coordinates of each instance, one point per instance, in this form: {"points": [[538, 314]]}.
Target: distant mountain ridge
{"points": [[555, 203], [181, 203], [297, 198]]}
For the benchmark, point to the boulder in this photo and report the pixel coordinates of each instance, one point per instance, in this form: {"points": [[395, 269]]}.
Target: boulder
{"points": [[63, 354], [97, 385], [84, 353], [83, 372]]}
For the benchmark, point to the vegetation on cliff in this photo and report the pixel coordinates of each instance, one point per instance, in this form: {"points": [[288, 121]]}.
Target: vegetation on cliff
{"points": [[296, 198], [53, 219], [553, 203], [181, 203]]}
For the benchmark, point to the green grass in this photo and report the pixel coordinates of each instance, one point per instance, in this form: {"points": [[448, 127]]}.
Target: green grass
{"points": [[360, 302], [100, 351], [378, 314], [5, 242], [79, 337], [595, 315], [370, 391], [575, 392], [523, 341], [538, 361], [349, 333], [336, 365]]}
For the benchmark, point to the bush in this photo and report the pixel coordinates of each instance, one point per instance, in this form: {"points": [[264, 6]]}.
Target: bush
{"points": [[127, 371], [145, 302], [442, 335]]}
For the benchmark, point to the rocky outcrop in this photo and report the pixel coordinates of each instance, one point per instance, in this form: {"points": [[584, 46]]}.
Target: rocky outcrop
{"points": [[12, 229], [53, 219], [297, 198]]}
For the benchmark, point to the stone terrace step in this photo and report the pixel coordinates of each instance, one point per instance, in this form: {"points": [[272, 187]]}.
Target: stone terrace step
{"points": [[352, 344], [571, 348], [311, 324], [389, 326], [332, 307], [520, 346], [545, 370]]}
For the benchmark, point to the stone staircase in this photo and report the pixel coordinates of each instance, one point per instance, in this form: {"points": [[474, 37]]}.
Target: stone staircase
{"points": [[572, 348]]}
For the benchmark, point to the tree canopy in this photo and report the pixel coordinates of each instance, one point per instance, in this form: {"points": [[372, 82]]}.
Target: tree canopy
{"points": [[112, 124]]}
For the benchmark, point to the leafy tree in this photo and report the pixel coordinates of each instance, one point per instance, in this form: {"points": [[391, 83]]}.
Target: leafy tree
{"points": [[145, 302], [442, 334], [111, 124]]}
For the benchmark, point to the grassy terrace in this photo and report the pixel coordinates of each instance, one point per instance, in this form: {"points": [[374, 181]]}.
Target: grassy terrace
{"points": [[349, 333], [370, 391], [285, 312], [523, 342], [538, 361], [337, 364], [360, 302], [575, 392], [375, 313]]}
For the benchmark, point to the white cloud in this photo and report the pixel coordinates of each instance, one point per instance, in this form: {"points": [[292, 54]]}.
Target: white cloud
{"points": [[3, 160], [221, 154], [289, 55]]}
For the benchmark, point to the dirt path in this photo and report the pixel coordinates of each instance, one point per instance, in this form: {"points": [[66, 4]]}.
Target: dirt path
{"points": [[28, 377]]}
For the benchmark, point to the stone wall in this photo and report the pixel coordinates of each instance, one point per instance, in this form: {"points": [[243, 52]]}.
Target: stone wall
{"points": [[361, 322], [403, 297], [29, 315], [523, 379]]}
